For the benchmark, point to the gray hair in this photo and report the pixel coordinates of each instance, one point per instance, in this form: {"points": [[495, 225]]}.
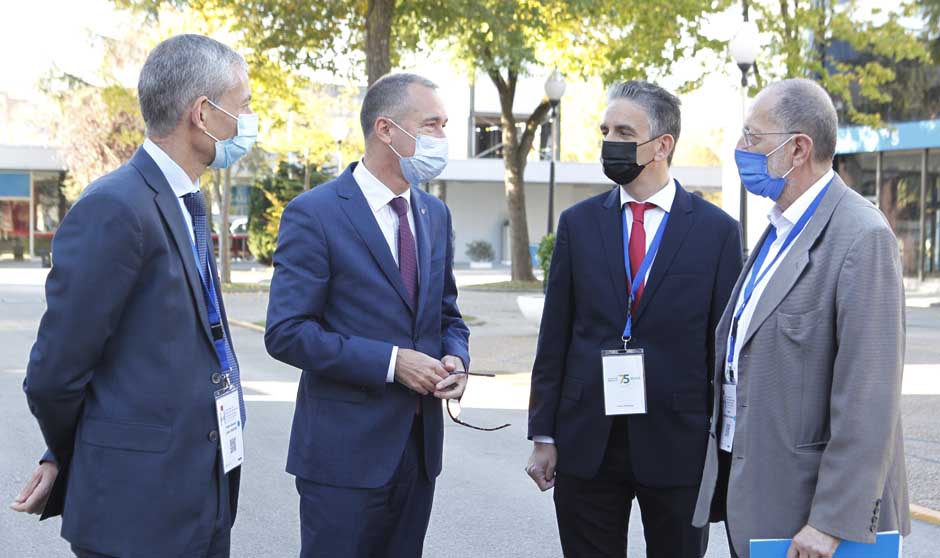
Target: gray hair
{"points": [[663, 109], [802, 105], [388, 97], [179, 71]]}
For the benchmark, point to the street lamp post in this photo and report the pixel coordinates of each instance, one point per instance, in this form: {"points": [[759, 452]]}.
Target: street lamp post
{"points": [[339, 131], [743, 50], [554, 90]]}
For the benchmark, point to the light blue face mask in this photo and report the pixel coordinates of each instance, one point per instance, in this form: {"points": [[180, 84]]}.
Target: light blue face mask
{"points": [[429, 160], [234, 148], [752, 167]]}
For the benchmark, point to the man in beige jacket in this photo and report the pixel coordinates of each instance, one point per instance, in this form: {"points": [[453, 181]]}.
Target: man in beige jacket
{"points": [[805, 439]]}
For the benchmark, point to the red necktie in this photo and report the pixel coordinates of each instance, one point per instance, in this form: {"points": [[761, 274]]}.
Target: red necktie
{"points": [[638, 246]]}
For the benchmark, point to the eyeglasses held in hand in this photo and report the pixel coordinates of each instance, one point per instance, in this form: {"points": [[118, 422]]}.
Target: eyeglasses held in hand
{"points": [[453, 406]]}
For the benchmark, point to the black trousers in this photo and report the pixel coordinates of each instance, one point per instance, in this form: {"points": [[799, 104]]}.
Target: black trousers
{"points": [[593, 515], [386, 522]]}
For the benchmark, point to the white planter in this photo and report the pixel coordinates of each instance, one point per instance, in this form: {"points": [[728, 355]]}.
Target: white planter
{"points": [[531, 307], [481, 265]]}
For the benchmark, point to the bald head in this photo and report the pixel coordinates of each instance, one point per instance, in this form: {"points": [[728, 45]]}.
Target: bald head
{"points": [[802, 105]]}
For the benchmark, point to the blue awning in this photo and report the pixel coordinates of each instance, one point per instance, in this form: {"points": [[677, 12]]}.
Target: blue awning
{"points": [[894, 137]]}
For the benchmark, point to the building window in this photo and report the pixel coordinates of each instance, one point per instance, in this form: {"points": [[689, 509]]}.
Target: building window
{"points": [[859, 173], [488, 137], [932, 215], [900, 201]]}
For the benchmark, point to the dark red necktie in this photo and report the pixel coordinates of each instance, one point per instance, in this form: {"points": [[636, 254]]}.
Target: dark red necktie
{"points": [[638, 246], [407, 252]]}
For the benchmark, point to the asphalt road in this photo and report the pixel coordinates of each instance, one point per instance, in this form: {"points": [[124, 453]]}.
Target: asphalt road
{"points": [[485, 506]]}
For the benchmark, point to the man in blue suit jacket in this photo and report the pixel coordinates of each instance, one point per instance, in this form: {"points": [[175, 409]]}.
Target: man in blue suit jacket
{"points": [[363, 300], [123, 374], [598, 463]]}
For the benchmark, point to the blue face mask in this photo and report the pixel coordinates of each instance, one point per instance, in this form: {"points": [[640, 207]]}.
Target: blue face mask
{"points": [[752, 167], [234, 148], [429, 160]]}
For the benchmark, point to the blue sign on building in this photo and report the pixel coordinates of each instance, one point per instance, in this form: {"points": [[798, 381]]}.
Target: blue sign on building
{"points": [[924, 134], [14, 185]]}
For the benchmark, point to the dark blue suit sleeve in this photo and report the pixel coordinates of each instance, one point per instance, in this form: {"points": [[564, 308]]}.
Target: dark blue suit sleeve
{"points": [[455, 336], [730, 263], [98, 253], [299, 289], [554, 338]]}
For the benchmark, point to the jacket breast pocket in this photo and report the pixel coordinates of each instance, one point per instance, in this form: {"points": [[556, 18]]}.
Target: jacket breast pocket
{"points": [[798, 327], [126, 436]]}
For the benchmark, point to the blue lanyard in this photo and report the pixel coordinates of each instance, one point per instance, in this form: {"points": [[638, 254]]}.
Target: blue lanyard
{"points": [[640, 273], [212, 306], [756, 276]]}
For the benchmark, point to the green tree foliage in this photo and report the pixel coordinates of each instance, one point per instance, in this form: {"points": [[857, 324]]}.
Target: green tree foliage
{"points": [[509, 39], [804, 33], [316, 35], [267, 201]]}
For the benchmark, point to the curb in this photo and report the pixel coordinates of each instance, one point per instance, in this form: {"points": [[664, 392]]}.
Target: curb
{"points": [[253, 327], [926, 515]]}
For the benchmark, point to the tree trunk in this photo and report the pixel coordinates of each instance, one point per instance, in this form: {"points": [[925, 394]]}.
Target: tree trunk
{"points": [[518, 221], [379, 15]]}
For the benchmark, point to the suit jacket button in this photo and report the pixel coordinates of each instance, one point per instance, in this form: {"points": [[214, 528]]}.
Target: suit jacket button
{"points": [[213, 436], [216, 378]]}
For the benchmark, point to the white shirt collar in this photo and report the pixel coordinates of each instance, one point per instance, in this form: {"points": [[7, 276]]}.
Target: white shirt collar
{"points": [[662, 199], [784, 220], [175, 175], [377, 194]]}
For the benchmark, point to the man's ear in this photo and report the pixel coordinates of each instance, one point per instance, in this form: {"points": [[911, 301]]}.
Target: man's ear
{"points": [[197, 112], [803, 150], [666, 144], [382, 129]]}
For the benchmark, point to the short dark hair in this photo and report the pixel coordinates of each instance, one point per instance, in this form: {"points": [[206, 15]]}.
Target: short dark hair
{"points": [[388, 97], [662, 107]]}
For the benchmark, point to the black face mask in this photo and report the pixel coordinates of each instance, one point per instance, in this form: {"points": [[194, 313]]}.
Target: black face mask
{"points": [[619, 159]]}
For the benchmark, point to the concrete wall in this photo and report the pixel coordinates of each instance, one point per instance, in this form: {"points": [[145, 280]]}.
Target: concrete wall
{"points": [[479, 211]]}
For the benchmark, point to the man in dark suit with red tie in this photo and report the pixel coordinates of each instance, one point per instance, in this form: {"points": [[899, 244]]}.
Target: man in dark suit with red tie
{"points": [[642, 272]]}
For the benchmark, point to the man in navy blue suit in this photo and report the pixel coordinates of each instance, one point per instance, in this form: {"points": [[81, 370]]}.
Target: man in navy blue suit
{"points": [[134, 350], [641, 273], [363, 300]]}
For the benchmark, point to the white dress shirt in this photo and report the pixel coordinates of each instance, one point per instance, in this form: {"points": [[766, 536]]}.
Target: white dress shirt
{"points": [[651, 220], [378, 195], [653, 217], [783, 221], [178, 179]]}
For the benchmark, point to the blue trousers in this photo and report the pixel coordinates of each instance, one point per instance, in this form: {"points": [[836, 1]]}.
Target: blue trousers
{"points": [[385, 522]]}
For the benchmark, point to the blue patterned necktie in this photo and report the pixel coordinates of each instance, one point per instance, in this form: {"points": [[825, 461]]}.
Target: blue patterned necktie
{"points": [[196, 205]]}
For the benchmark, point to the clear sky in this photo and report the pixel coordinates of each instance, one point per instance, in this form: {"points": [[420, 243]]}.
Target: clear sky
{"points": [[37, 34]]}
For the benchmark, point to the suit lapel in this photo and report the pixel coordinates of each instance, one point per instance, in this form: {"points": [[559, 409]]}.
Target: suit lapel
{"points": [[611, 233], [796, 260], [680, 221], [422, 237], [360, 214], [169, 208]]}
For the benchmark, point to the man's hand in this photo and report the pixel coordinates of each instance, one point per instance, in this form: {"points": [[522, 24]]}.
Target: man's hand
{"points": [[418, 372], [541, 465], [812, 543], [33, 497], [453, 386]]}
